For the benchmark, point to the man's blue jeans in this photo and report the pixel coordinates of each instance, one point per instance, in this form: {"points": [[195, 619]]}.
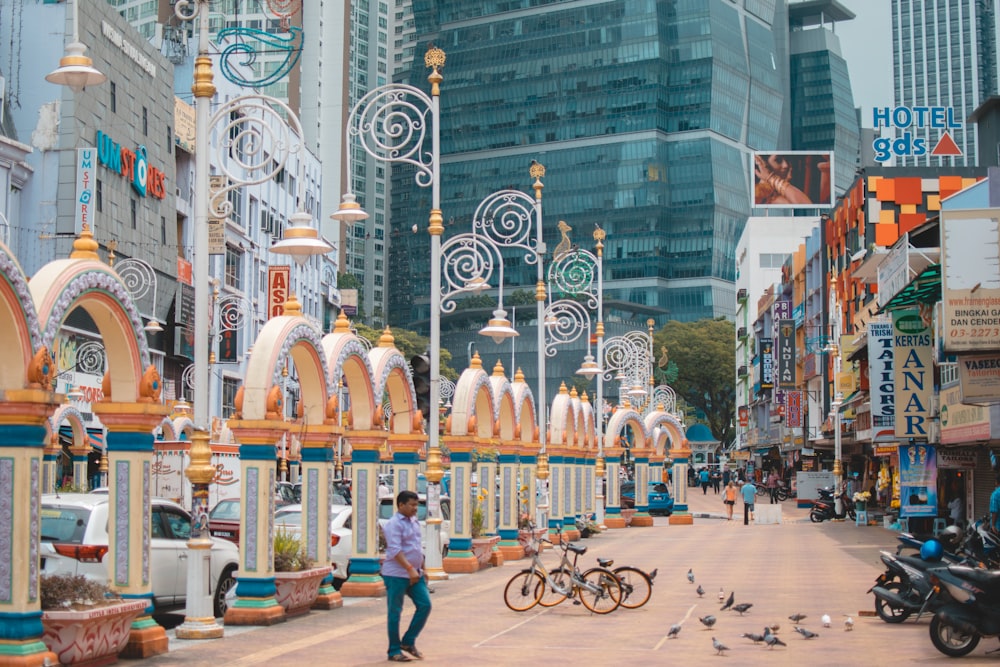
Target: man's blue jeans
{"points": [[395, 589]]}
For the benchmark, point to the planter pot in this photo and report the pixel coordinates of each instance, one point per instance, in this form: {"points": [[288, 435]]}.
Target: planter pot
{"points": [[297, 591], [482, 549], [526, 538], [92, 636]]}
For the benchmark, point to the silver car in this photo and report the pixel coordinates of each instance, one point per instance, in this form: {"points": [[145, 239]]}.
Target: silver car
{"points": [[289, 519], [75, 541]]}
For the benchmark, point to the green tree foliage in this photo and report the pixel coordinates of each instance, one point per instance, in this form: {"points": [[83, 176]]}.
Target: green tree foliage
{"points": [[706, 369], [408, 343], [477, 301], [520, 297]]}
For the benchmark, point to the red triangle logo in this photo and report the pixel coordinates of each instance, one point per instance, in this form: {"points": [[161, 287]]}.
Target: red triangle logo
{"points": [[946, 146]]}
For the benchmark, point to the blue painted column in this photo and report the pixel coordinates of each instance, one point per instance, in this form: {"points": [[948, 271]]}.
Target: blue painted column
{"points": [[460, 557], [365, 579], [316, 471], [22, 439], [613, 511], [556, 516], [255, 585], [130, 462], [681, 455], [510, 492]]}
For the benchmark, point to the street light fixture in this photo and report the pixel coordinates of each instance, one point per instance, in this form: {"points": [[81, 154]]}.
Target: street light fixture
{"points": [[76, 69]]}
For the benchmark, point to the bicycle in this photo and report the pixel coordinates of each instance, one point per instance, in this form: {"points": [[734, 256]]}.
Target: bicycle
{"points": [[598, 589], [637, 586]]}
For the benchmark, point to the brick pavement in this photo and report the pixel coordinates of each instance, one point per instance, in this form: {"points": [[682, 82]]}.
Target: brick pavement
{"points": [[794, 567]]}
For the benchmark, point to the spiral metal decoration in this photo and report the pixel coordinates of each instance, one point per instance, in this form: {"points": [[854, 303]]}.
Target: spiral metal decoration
{"points": [[621, 354], [447, 390], [241, 53], [564, 321], [91, 358], [507, 218], [257, 143], [284, 10], [665, 396], [187, 378], [575, 274], [391, 123], [187, 10], [468, 261], [139, 278], [234, 312]]}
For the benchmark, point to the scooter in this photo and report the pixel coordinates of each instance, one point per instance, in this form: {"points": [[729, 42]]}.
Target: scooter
{"points": [[968, 608], [825, 508], [903, 589]]}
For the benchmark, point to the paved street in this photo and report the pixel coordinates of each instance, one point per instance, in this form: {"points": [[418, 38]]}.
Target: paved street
{"points": [[795, 567]]}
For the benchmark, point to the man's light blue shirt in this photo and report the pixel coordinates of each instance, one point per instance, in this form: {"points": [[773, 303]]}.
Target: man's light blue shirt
{"points": [[749, 491], [402, 534]]}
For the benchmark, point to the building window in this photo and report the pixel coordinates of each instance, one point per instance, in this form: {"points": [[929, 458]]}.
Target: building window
{"points": [[134, 212], [145, 122], [114, 97], [170, 140], [163, 230], [234, 267], [99, 195], [229, 388]]}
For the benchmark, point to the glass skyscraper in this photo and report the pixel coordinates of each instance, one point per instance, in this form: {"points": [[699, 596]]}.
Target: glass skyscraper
{"points": [[643, 112]]}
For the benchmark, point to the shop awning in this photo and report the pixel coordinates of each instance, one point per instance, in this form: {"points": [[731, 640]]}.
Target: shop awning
{"points": [[925, 288], [854, 399]]}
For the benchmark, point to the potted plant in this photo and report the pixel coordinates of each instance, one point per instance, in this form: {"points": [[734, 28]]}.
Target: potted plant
{"points": [[482, 545], [83, 620], [296, 578], [861, 499]]}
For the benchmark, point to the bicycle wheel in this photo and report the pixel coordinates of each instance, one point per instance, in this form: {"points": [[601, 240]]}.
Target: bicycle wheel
{"points": [[636, 586], [523, 590], [607, 593], [549, 597]]}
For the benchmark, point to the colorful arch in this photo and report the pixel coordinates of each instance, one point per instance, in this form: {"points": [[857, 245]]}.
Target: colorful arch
{"points": [[616, 425], [392, 375], [503, 400], [473, 398], [525, 412], [671, 431], [19, 324], [348, 362], [562, 419]]}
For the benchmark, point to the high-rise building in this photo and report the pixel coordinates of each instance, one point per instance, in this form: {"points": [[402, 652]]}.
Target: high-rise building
{"points": [[944, 53], [644, 115]]}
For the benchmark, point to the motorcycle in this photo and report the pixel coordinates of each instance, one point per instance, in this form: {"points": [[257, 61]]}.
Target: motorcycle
{"points": [[968, 608], [903, 589], [825, 508]]}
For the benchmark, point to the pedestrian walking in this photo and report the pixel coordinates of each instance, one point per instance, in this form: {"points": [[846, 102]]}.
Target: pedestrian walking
{"points": [[995, 507], [772, 486], [749, 492], [729, 499], [403, 573], [726, 477], [716, 480], [703, 478]]}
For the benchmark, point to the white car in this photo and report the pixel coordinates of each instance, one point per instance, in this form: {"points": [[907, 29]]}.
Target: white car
{"points": [[387, 507], [75, 541], [289, 519]]}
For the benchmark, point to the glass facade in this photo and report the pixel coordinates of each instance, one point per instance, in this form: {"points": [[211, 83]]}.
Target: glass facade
{"points": [[642, 112]]}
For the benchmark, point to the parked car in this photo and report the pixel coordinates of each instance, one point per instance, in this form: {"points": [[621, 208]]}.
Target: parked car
{"points": [[289, 519], [286, 493], [224, 520], [657, 496], [387, 507], [75, 541]]}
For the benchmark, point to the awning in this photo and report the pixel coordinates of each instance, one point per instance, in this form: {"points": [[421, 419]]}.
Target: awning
{"points": [[854, 399], [925, 288]]}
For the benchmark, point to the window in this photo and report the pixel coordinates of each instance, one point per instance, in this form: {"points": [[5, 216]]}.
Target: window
{"points": [[99, 196], [114, 97], [229, 388], [145, 122], [163, 230], [234, 267], [135, 212], [170, 140]]}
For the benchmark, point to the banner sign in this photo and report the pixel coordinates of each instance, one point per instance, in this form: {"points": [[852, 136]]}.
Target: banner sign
{"points": [[881, 386], [766, 363], [956, 457], [744, 413], [970, 283], [917, 481], [277, 290], [216, 226], [913, 357], [86, 162], [792, 179], [786, 354], [793, 408], [961, 423], [979, 377]]}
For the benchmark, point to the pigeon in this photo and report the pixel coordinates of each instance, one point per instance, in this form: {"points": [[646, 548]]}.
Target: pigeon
{"points": [[848, 624], [729, 601], [772, 640], [806, 634], [700, 591], [652, 575], [795, 618], [773, 628], [825, 620], [742, 607], [707, 621], [753, 636], [719, 646], [690, 576], [675, 630], [722, 595]]}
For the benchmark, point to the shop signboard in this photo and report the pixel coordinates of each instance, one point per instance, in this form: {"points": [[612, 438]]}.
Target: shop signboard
{"points": [[956, 457], [913, 373], [786, 354], [917, 480], [960, 422], [979, 377], [970, 280], [766, 358]]}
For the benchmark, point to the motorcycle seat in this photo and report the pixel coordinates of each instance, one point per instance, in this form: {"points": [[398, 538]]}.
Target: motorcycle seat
{"points": [[988, 580]]}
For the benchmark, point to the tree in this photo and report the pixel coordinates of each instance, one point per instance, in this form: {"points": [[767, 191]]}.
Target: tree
{"points": [[408, 343], [706, 369], [351, 281]]}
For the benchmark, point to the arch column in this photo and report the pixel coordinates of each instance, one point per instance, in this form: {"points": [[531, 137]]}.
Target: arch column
{"points": [[488, 489], [406, 448], [641, 518], [569, 495], [588, 484], [680, 452], [316, 468], [50, 458], [365, 579], [130, 461], [80, 453], [613, 464], [460, 557], [255, 586], [510, 491], [23, 414]]}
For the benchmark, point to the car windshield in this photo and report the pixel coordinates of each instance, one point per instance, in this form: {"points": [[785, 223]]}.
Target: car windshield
{"points": [[289, 518], [226, 510], [659, 487], [64, 524]]}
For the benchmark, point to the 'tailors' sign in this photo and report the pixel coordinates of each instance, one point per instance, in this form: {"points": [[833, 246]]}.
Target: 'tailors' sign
{"points": [[910, 119], [131, 165]]}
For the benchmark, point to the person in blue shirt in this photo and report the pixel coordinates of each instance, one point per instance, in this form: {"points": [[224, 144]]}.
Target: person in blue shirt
{"points": [[749, 492], [995, 507], [403, 573], [703, 478]]}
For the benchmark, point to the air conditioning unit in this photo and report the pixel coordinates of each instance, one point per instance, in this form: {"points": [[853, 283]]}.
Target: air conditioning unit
{"points": [[741, 371], [933, 432], [742, 294]]}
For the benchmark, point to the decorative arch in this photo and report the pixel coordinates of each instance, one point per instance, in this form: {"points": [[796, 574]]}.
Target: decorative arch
{"points": [[61, 286], [671, 431], [503, 400], [587, 424], [525, 414], [183, 428], [562, 419], [19, 323], [347, 360], [165, 430], [473, 398], [72, 416], [616, 425], [392, 375], [284, 337]]}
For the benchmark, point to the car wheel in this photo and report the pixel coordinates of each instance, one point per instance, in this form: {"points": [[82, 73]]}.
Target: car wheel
{"points": [[226, 583]]}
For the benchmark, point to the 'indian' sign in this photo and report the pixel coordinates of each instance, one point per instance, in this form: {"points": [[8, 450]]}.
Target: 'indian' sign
{"points": [[913, 357]]}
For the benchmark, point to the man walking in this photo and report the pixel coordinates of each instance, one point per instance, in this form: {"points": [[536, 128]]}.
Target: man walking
{"points": [[772, 486], [703, 478], [749, 492], [403, 573]]}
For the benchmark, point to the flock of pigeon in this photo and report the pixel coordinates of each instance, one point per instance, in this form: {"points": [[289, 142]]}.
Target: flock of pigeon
{"points": [[769, 636]]}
